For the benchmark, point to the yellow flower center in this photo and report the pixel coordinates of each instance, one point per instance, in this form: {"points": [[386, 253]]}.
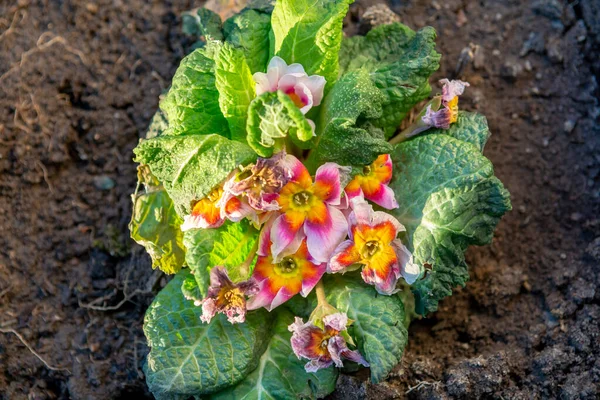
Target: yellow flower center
{"points": [[231, 297], [215, 195], [301, 199], [287, 267], [370, 249], [367, 169]]}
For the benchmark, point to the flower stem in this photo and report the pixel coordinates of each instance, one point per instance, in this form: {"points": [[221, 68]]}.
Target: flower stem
{"points": [[320, 292], [402, 136], [245, 266]]}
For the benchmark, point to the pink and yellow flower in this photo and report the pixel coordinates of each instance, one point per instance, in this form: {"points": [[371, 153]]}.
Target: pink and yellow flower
{"points": [[323, 346], [280, 281], [205, 212], [226, 297], [448, 113], [305, 91], [308, 209], [374, 247], [373, 182]]}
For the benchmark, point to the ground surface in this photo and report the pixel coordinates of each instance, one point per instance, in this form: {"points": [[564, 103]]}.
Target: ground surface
{"points": [[79, 82]]}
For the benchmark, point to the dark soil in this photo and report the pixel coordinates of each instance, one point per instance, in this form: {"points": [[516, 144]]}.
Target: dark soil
{"points": [[79, 82]]}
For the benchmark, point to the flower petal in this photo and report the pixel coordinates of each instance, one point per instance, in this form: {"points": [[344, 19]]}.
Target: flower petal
{"points": [[437, 119], [327, 183], [409, 270], [383, 271], [299, 173], [337, 321], [314, 365], [343, 257], [316, 85], [204, 215], [296, 69], [209, 310], [453, 88], [263, 85], [284, 232], [383, 168], [322, 237], [304, 96], [383, 196]]}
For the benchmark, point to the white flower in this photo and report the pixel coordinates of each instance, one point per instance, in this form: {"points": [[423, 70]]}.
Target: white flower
{"points": [[306, 91]]}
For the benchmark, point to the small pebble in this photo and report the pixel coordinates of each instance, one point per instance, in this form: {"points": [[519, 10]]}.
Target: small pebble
{"points": [[496, 52], [569, 126], [563, 256], [528, 66], [104, 182]]}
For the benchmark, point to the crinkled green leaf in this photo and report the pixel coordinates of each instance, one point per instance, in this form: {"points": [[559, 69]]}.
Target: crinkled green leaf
{"points": [[202, 22], [235, 249], [236, 88], [249, 31], [448, 199], [400, 63], [273, 117], [190, 166], [190, 288], [158, 125], [192, 103], [188, 357], [280, 374], [156, 226], [378, 326], [310, 33], [470, 127], [343, 136], [199, 244]]}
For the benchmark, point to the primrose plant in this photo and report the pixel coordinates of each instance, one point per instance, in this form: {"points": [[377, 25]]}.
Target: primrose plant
{"points": [[308, 199]]}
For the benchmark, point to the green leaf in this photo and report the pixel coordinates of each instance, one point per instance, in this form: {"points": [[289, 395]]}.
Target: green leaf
{"points": [[449, 199], [378, 325], [190, 166], [190, 288], [192, 103], [310, 33], [272, 117], [400, 63], [249, 31], [202, 22], [342, 134], [470, 127], [199, 244], [236, 88], [158, 125], [190, 358], [156, 226], [235, 250], [280, 374]]}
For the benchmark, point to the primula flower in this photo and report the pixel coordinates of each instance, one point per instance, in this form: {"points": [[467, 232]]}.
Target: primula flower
{"points": [[280, 281], [226, 297], [448, 113], [305, 91], [309, 209], [373, 245], [205, 212], [323, 347], [373, 183], [260, 183]]}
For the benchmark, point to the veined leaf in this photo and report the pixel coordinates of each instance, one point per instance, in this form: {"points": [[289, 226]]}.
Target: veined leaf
{"points": [[158, 125], [378, 322], [249, 31], [192, 103], [202, 22], [470, 127], [236, 88], [190, 166], [280, 374], [342, 134], [449, 199], [272, 117], [310, 33], [199, 244], [399, 62], [190, 358]]}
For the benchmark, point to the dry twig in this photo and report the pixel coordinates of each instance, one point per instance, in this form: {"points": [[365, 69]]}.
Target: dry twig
{"points": [[35, 353]]}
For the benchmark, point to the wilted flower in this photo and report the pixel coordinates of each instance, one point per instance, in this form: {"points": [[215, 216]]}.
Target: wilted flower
{"points": [[280, 281], [205, 212], [448, 112], [305, 91], [226, 297], [309, 209], [374, 247], [323, 347], [261, 183], [373, 183]]}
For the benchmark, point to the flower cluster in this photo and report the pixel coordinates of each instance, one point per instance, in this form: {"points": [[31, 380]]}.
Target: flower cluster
{"points": [[309, 226]]}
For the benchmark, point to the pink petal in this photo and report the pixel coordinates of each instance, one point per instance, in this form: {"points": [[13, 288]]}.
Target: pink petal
{"points": [[361, 212], [379, 217], [199, 222], [437, 119], [287, 83], [263, 85], [315, 365], [305, 97], [275, 70], [297, 169], [322, 239], [209, 309], [409, 270], [263, 298], [451, 89], [282, 235], [385, 286], [316, 85], [336, 321], [295, 69], [264, 237], [309, 283], [342, 258], [282, 296], [384, 197], [328, 176]]}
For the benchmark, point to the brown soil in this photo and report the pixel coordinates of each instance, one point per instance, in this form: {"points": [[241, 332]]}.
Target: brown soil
{"points": [[79, 82]]}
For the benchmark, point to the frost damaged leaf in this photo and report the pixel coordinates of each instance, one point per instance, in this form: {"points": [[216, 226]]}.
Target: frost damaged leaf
{"points": [[190, 358], [190, 166], [155, 225], [449, 199], [310, 33], [342, 135], [236, 88], [271, 118], [378, 322], [249, 31], [399, 61], [280, 374], [192, 103]]}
